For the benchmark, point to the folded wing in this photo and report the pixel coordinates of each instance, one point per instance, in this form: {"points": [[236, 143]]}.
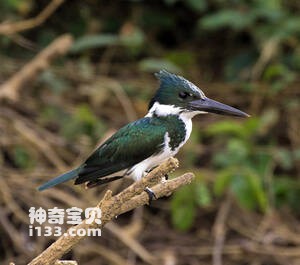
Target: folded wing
{"points": [[130, 145]]}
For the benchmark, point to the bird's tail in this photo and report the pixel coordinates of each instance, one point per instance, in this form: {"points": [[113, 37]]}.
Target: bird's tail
{"points": [[60, 179]]}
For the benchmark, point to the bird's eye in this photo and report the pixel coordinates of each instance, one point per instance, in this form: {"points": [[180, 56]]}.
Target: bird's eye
{"points": [[183, 94]]}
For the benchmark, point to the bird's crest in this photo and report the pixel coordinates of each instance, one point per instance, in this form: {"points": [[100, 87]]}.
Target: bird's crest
{"points": [[171, 80]]}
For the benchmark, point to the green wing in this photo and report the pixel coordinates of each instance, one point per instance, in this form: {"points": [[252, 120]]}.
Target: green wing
{"points": [[130, 145]]}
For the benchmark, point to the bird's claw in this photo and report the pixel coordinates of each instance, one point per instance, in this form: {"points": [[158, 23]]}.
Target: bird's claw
{"points": [[151, 195]]}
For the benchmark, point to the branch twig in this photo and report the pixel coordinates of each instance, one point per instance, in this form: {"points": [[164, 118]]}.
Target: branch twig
{"points": [[219, 231], [111, 206], [10, 89], [128, 240], [14, 27]]}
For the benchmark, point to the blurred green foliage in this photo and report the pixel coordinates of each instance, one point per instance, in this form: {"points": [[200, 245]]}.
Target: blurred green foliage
{"points": [[22, 157], [240, 41], [185, 202], [245, 165]]}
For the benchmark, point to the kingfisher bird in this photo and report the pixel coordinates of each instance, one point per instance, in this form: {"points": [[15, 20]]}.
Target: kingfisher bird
{"points": [[142, 145]]}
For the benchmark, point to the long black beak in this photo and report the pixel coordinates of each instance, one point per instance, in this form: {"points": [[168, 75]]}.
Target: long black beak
{"points": [[209, 105]]}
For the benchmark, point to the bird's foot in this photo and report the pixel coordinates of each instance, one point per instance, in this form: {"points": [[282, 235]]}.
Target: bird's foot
{"points": [[151, 194]]}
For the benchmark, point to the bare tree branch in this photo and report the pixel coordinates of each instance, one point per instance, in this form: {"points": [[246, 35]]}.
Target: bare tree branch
{"points": [[10, 89], [219, 230]]}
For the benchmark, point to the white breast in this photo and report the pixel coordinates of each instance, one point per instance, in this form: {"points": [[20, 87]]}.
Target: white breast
{"points": [[139, 170], [187, 119]]}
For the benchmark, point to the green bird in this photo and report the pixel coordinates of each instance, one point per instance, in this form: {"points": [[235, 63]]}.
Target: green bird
{"points": [[142, 145]]}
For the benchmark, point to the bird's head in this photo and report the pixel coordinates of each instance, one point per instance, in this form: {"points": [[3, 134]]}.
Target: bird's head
{"points": [[177, 95]]}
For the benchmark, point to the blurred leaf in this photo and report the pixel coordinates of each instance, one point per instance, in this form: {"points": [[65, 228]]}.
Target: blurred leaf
{"points": [[268, 119], [226, 18], [152, 64], [258, 191], [289, 27], [270, 15], [287, 192], [22, 6], [183, 208], [184, 59], [271, 5], [284, 158], [279, 75], [274, 71], [202, 194], [251, 126], [22, 157], [227, 128], [222, 181], [94, 41], [248, 188], [83, 113], [232, 128], [236, 153], [262, 161], [197, 5], [243, 191]]}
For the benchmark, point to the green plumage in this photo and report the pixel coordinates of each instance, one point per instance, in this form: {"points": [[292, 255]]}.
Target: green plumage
{"points": [[132, 144]]}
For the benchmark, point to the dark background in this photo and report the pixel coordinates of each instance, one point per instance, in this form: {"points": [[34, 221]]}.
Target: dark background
{"points": [[244, 202]]}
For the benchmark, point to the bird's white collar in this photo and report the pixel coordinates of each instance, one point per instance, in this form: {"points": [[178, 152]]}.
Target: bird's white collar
{"points": [[162, 110]]}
